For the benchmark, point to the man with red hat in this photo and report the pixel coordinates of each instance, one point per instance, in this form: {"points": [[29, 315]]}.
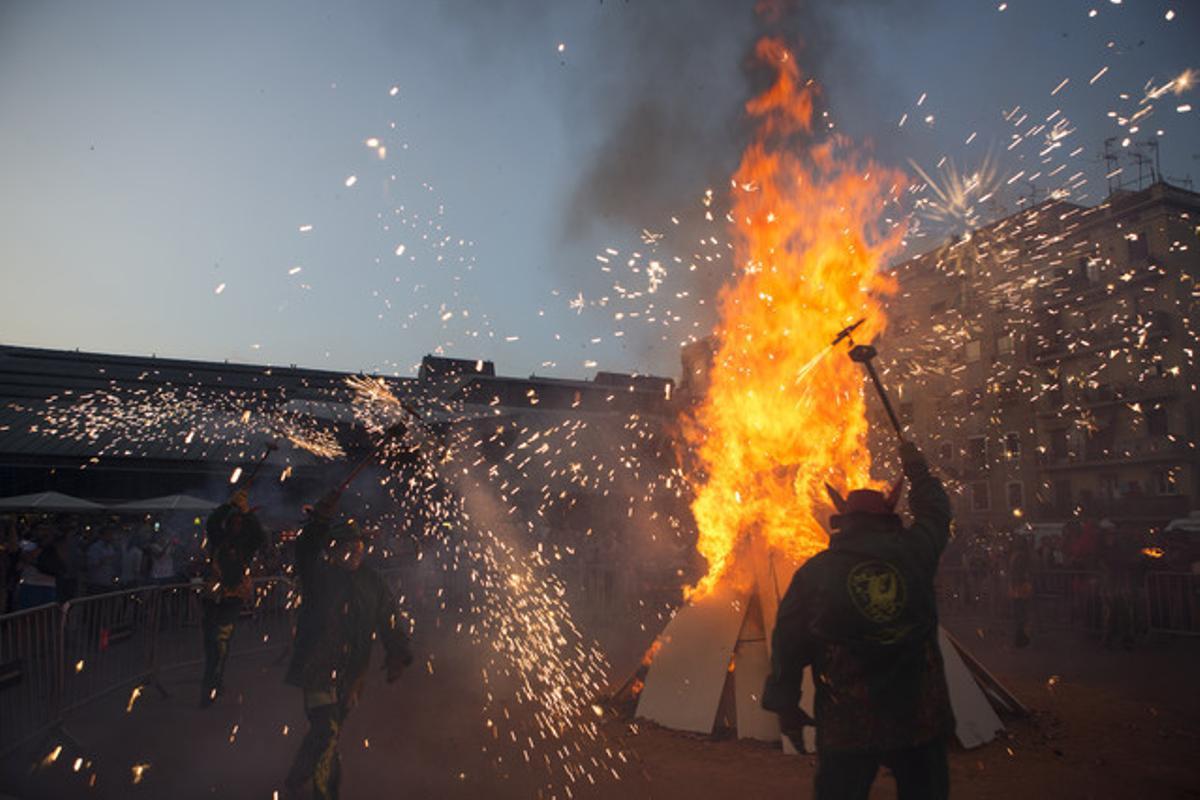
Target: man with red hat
{"points": [[863, 615]]}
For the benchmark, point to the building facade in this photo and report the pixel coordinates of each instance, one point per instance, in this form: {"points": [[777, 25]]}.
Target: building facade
{"points": [[1048, 361]]}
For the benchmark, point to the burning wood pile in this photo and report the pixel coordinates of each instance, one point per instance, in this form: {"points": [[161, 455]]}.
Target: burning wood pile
{"points": [[780, 419]]}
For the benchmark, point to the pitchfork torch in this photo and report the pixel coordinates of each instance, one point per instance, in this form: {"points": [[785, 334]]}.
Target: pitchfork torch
{"points": [[864, 354]]}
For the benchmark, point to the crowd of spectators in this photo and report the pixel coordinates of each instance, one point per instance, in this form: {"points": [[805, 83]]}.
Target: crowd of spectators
{"points": [[55, 558], [1096, 567]]}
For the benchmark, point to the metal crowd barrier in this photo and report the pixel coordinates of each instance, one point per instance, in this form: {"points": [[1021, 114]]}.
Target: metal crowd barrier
{"points": [[56, 658], [1162, 602], [1068, 599], [1173, 603], [1061, 598], [107, 643], [30, 661]]}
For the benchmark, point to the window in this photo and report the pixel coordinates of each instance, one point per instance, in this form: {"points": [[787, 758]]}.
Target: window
{"points": [[1016, 495], [906, 412], [1058, 443], [1139, 248], [974, 352], [1005, 344], [980, 497], [1164, 482], [1012, 445], [1093, 270], [946, 452], [1007, 392], [1156, 421], [1110, 487], [1062, 496], [977, 452]]}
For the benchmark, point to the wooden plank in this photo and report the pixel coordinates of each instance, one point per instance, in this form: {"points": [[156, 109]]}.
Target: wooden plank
{"points": [[753, 665]]}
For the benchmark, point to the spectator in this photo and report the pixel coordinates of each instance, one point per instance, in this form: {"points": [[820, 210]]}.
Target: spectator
{"points": [[10, 554], [102, 563], [1083, 552], [55, 559], [161, 552], [1057, 558], [133, 560], [37, 587], [1020, 591], [1116, 563]]}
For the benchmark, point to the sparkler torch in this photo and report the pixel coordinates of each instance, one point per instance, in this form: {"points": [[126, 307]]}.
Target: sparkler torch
{"points": [[864, 354], [393, 432], [269, 448]]}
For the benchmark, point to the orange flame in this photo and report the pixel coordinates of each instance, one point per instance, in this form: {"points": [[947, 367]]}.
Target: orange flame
{"points": [[779, 418], [651, 652]]}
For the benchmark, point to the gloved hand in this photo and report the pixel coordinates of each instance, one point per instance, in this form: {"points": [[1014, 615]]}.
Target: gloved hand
{"points": [[912, 459], [792, 724], [326, 507]]}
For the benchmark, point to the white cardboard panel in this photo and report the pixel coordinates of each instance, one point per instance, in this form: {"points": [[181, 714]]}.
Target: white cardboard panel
{"points": [[684, 684], [976, 722]]}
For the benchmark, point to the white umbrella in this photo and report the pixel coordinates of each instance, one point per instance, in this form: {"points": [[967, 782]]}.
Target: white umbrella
{"points": [[171, 502], [49, 501]]}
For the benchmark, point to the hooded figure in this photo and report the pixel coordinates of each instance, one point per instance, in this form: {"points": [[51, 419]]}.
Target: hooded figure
{"points": [[344, 608], [234, 535], [863, 615]]}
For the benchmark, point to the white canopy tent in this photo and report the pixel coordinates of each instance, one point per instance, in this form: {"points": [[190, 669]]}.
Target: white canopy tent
{"points": [[171, 502], [49, 502]]}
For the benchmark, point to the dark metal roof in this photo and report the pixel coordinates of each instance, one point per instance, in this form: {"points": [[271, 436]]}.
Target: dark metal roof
{"points": [[60, 407], [38, 385]]}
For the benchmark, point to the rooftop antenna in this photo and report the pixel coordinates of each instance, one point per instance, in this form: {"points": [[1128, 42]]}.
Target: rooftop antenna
{"points": [[1112, 164], [1142, 162]]}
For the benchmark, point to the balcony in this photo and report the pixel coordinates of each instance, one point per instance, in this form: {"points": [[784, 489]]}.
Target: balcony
{"points": [[1093, 454], [1149, 507], [1108, 394], [1074, 344], [1077, 290]]}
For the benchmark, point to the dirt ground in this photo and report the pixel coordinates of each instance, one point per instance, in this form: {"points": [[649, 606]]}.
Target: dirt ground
{"points": [[1104, 724]]}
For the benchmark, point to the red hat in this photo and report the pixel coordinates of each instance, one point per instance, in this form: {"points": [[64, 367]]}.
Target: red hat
{"points": [[866, 501]]}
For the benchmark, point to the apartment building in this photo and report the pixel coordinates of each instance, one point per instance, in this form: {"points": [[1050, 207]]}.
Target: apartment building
{"points": [[1048, 361]]}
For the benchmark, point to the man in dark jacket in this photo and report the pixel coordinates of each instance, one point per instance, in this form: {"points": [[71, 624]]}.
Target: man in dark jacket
{"points": [[234, 535], [863, 615], [344, 607]]}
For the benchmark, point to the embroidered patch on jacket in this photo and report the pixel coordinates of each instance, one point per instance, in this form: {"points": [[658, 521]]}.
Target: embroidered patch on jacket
{"points": [[877, 589]]}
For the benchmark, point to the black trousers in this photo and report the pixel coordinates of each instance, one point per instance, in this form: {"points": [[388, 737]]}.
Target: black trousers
{"points": [[217, 623], [318, 765], [921, 773]]}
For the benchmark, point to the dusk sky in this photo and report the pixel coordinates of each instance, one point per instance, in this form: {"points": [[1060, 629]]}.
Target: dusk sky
{"points": [[153, 152]]}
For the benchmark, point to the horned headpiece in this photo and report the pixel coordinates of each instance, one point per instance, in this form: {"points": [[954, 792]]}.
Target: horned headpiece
{"points": [[864, 501]]}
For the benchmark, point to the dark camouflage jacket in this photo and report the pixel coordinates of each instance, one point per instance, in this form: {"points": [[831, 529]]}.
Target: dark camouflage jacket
{"points": [[863, 615], [341, 613], [233, 540]]}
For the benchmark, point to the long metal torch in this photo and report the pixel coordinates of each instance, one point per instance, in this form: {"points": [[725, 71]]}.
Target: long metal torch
{"points": [[269, 448], [393, 432], [865, 354]]}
